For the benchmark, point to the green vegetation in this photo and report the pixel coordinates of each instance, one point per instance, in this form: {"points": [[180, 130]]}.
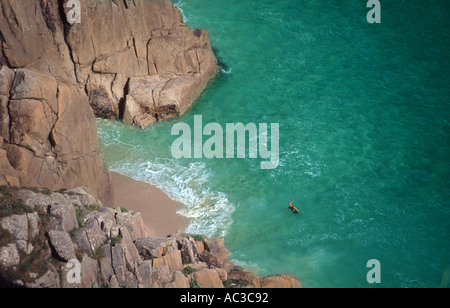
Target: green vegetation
{"points": [[5, 237], [37, 190], [242, 283], [188, 270], [64, 191], [73, 233], [33, 264], [196, 237], [79, 253], [237, 268], [186, 261], [227, 283], [79, 214], [10, 204], [98, 254], [116, 240], [93, 207], [194, 284]]}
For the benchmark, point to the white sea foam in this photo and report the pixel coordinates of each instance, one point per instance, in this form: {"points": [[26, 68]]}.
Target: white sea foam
{"points": [[179, 5], [230, 71], [210, 211]]}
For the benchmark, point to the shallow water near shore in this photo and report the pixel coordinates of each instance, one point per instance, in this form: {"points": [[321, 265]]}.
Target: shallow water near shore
{"points": [[364, 140]]}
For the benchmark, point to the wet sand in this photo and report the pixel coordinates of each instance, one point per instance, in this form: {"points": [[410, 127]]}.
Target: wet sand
{"points": [[159, 212]]}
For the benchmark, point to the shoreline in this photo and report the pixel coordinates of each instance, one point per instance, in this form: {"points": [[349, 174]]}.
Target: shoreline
{"points": [[159, 214], [158, 211]]}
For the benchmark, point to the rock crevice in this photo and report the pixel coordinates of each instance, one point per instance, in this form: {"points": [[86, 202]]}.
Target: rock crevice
{"points": [[143, 39], [112, 247], [49, 136], [133, 61]]}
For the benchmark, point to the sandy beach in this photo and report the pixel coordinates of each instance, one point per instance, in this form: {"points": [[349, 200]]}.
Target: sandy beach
{"points": [[159, 212]]}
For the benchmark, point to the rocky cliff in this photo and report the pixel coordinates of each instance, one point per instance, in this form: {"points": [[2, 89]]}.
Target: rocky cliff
{"points": [[48, 137], [138, 61], [134, 61], [67, 239], [128, 60]]}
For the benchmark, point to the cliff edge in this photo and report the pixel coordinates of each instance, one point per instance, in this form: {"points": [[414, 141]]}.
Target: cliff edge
{"points": [[128, 60], [67, 239], [134, 61]]}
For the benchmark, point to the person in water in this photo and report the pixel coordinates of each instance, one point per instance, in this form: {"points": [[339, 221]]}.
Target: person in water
{"points": [[293, 208]]}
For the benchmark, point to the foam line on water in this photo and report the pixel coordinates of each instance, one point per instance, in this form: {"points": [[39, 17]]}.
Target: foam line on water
{"points": [[227, 72], [179, 5], [210, 211]]}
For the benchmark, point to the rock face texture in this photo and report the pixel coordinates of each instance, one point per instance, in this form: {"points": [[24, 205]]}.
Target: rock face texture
{"points": [[135, 61], [49, 137], [51, 237], [121, 47], [138, 61], [32, 36]]}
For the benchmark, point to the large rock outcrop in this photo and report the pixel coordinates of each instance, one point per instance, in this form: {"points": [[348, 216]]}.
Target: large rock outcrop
{"points": [[32, 36], [130, 60], [139, 61], [48, 133], [46, 233]]}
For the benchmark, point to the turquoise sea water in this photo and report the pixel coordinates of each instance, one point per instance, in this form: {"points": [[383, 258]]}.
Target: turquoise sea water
{"points": [[364, 140]]}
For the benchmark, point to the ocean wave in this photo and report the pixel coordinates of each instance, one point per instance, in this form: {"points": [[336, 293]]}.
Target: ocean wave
{"points": [[210, 211], [110, 134], [179, 6], [227, 72]]}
